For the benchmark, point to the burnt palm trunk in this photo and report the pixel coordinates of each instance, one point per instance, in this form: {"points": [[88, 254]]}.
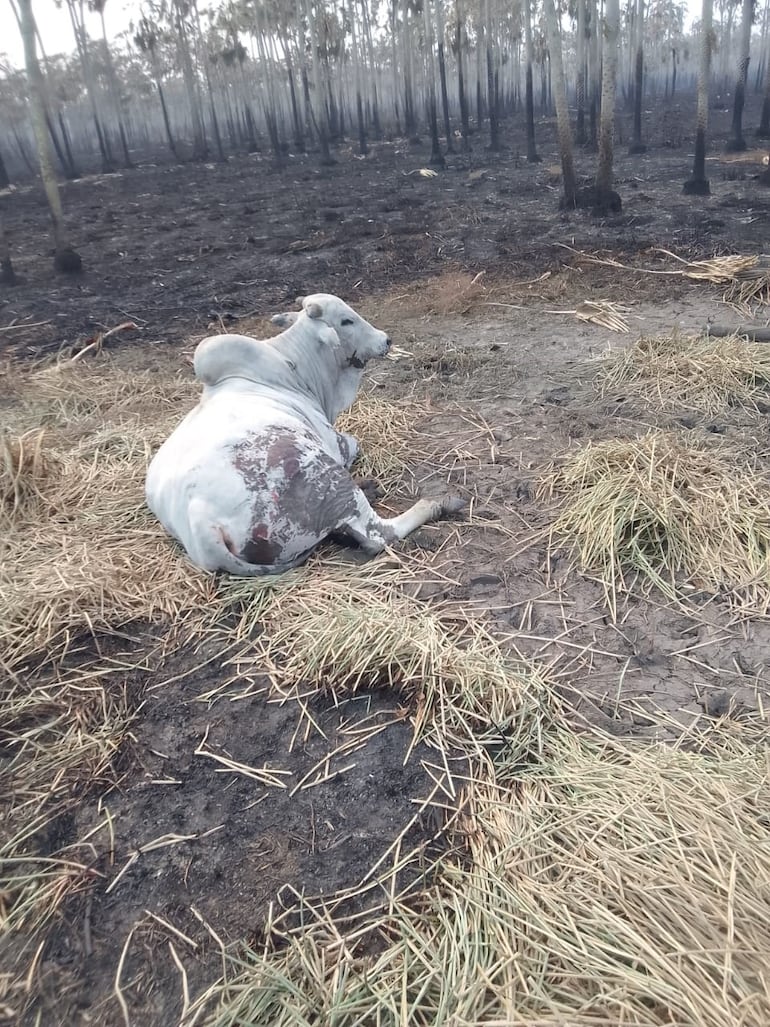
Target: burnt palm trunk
{"points": [[698, 185], [736, 141], [65, 258]]}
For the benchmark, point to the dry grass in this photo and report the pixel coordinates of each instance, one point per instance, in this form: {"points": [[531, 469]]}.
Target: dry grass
{"points": [[26, 467], [696, 373], [349, 629], [747, 278], [678, 515], [611, 886]]}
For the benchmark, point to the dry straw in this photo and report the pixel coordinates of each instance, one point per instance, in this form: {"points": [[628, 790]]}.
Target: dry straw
{"points": [[679, 515], [609, 886], [747, 277], [697, 373]]}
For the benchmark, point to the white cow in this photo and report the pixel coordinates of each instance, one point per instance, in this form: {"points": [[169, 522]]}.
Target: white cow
{"points": [[255, 477]]}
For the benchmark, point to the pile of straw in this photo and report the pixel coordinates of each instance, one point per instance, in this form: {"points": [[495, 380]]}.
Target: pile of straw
{"points": [[698, 373], [678, 515]]}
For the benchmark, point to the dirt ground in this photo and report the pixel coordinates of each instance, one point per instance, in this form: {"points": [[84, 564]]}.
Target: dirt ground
{"points": [[182, 850]]}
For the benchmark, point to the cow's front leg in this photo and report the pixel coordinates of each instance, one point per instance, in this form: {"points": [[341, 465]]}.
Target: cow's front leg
{"points": [[373, 532], [349, 448]]}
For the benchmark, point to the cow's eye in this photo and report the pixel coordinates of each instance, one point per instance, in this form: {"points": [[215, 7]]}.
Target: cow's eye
{"points": [[346, 321]]}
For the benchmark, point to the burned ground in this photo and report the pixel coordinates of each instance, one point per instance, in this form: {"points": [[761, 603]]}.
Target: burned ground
{"points": [[176, 248]]}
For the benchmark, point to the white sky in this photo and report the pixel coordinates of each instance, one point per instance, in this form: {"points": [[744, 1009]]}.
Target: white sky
{"points": [[56, 29]]}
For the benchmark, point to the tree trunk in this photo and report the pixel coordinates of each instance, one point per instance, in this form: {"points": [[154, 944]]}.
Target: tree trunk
{"points": [[114, 85], [637, 146], [65, 258], [529, 99], [200, 145], [77, 19], [606, 199], [580, 91], [563, 130], [593, 72], [355, 53], [737, 142], [436, 156], [440, 28], [764, 122], [465, 124], [7, 275], [698, 185], [319, 109], [164, 109], [4, 179]]}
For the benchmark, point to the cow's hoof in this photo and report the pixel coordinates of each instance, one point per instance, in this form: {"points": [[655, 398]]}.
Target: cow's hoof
{"points": [[453, 505], [370, 488]]}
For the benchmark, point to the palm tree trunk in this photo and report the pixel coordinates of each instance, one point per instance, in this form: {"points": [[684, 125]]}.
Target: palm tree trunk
{"points": [[698, 185], [736, 141], [65, 258], [605, 199], [563, 129]]}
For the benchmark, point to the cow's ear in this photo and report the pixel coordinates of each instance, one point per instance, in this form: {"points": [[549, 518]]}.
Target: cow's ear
{"points": [[328, 336], [299, 300], [314, 310], [284, 320]]}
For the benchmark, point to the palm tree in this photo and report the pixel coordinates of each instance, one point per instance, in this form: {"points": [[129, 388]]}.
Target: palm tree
{"points": [[563, 129], [606, 198], [736, 141], [698, 185], [65, 258]]}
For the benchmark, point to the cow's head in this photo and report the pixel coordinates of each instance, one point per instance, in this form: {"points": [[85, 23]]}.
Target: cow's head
{"points": [[356, 340]]}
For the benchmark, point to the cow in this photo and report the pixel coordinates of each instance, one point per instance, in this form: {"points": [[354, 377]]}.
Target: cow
{"points": [[256, 476]]}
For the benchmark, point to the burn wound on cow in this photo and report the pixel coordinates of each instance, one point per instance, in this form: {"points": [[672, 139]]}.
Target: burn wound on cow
{"points": [[283, 452], [321, 498], [259, 549]]}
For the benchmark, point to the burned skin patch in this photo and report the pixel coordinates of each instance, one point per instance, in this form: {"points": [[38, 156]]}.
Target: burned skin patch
{"points": [[300, 495]]}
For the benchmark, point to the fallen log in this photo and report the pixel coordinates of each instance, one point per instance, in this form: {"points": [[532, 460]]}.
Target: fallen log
{"points": [[754, 333]]}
